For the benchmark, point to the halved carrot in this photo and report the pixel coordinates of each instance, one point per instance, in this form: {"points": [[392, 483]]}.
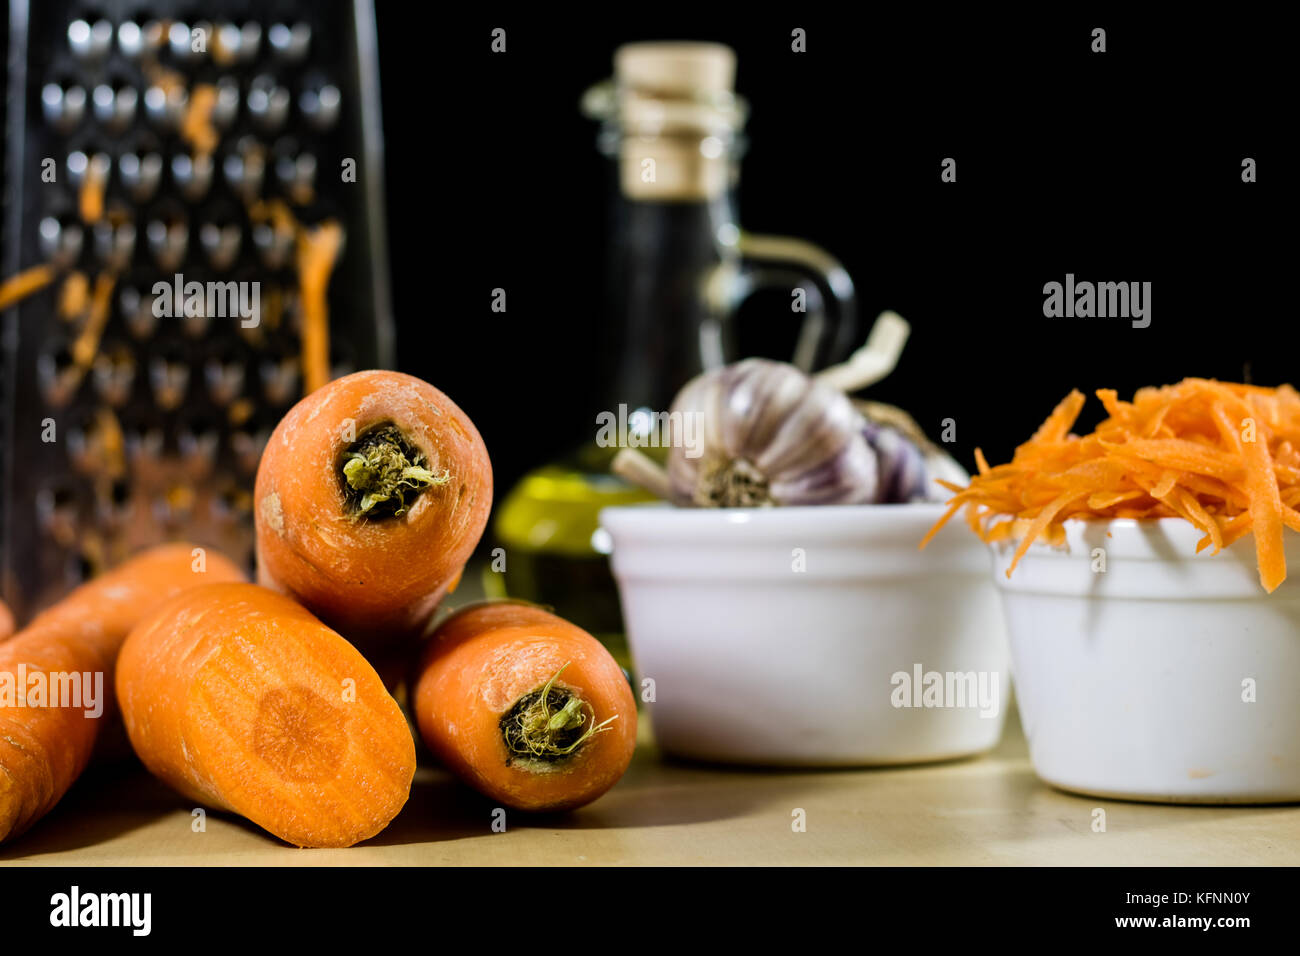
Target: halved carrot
{"points": [[44, 748], [371, 495], [242, 700], [525, 707]]}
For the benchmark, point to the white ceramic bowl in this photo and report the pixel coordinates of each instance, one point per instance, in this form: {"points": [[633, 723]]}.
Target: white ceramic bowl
{"points": [[756, 661], [1131, 681]]}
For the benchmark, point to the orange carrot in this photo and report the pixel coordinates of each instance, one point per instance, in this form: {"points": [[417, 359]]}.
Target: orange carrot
{"points": [[371, 495], [241, 700], [45, 743], [6, 621], [525, 707], [1221, 456]]}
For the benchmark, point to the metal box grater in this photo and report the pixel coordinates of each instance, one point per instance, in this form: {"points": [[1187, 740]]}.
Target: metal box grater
{"points": [[158, 422]]}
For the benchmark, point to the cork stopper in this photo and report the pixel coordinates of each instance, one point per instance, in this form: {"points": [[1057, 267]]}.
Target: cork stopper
{"points": [[678, 118], [681, 70]]}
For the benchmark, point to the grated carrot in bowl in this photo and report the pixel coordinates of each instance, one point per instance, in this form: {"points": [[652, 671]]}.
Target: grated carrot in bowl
{"points": [[1220, 455]]}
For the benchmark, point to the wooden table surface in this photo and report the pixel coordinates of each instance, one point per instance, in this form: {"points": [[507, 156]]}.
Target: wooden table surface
{"points": [[989, 810]]}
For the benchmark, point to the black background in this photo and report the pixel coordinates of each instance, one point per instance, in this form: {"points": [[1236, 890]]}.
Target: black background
{"points": [[1122, 166]]}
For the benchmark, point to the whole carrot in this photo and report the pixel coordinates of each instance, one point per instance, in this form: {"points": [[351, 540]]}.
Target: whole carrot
{"points": [[525, 707], [56, 675], [240, 699], [371, 495]]}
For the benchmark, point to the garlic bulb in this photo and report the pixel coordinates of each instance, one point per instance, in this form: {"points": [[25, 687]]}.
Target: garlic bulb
{"points": [[768, 435], [762, 433]]}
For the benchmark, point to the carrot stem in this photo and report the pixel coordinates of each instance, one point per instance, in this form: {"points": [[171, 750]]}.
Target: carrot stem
{"points": [[383, 467], [530, 729], [568, 717]]}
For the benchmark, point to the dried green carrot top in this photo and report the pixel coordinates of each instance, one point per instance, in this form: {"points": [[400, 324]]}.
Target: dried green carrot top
{"points": [[381, 471]]}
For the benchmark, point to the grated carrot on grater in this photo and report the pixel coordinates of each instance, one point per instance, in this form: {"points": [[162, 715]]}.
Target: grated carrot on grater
{"points": [[25, 283], [196, 126], [318, 249]]}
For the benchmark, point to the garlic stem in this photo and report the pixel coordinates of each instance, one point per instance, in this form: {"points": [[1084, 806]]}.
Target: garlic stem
{"points": [[642, 471], [875, 360]]}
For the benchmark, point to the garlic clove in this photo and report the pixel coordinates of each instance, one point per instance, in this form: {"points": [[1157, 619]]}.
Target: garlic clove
{"points": [[848, 478]]}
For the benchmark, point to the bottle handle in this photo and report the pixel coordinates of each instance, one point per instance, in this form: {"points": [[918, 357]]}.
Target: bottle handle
{"points": [[830, 324]]}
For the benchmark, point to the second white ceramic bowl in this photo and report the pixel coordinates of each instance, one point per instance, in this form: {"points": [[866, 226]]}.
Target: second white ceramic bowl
{"points": [[1167, 676], [778, 636]]}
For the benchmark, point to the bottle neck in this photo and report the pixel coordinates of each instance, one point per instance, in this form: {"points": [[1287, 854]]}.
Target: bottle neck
{"points": [[681, 168], [663, 326]]}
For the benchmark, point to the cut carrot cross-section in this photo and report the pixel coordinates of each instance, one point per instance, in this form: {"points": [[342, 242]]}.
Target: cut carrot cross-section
{"points": [[242, 700]]}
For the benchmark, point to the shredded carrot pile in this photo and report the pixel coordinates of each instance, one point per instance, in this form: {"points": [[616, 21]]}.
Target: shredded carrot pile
{"points": [[1222, 456]]}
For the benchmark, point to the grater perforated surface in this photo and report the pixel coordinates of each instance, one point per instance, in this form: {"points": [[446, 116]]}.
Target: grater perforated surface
{"points": [[157, 422]]}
